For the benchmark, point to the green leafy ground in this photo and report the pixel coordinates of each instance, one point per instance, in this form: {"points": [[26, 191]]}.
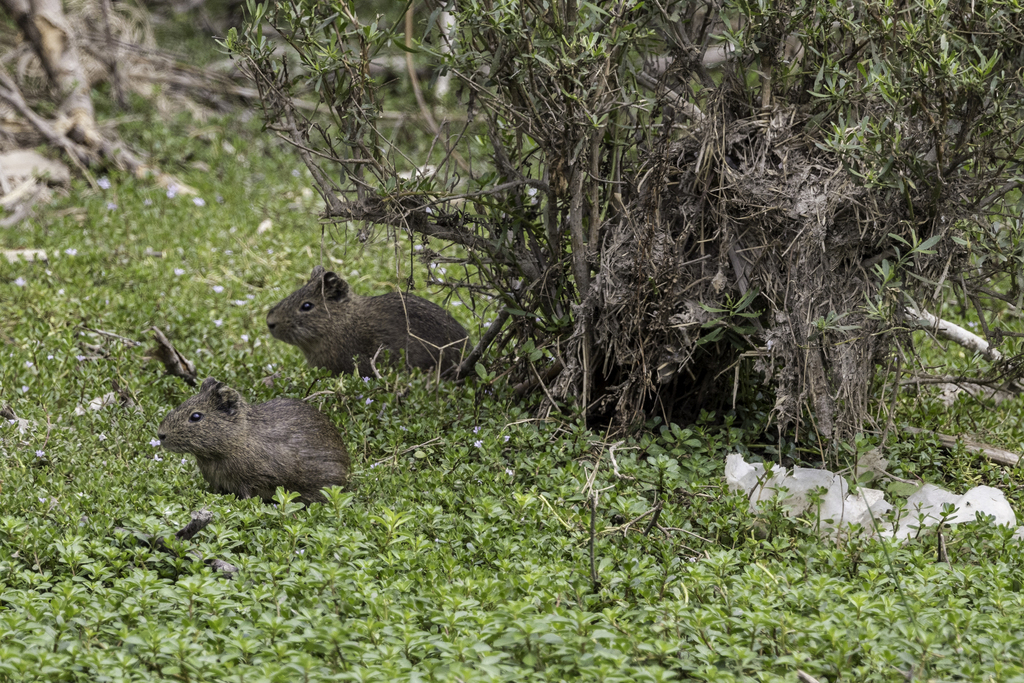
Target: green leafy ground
{"points": [[462, 551]]}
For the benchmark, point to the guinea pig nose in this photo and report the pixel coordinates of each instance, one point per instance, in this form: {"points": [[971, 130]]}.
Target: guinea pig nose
{"points": [[161, 436]]}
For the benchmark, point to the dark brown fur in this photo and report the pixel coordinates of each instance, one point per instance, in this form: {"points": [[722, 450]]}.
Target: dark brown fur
{"points": [[339, 325], [250, 450]]}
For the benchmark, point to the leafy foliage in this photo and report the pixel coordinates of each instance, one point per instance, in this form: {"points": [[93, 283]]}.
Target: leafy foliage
{"points": [[619, 172]]}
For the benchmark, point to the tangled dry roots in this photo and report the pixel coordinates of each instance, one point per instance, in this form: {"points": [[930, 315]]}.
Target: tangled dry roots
{"points": [[752, 204]]}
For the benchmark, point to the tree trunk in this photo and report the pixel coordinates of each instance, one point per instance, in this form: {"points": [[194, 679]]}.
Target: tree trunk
{"points": [[46, 29]]}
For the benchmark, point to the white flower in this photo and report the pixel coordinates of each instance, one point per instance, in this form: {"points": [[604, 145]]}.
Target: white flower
{"points": [[28, 364], [20, 282], [111, 206], [418, 247], [172, 190], [366, 379], [369, 401], [60, 292], [158, 458], [250, 296], [218, 322], [245, 337], [506, 438], [147, 202], [39, 454], [239, 302], [295, 172], [154, 442], [199, 201], [270, 251], [49, 357], [218, 289], [179, 271], [476, 430], [103, 182], [478, 443], [184, 461], [24, 389], [510, 472], [79, 358], [71, 251], [102, 437]]}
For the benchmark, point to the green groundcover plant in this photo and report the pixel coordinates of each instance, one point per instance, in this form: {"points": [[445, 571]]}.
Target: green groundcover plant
{"points": [[477, 543]]}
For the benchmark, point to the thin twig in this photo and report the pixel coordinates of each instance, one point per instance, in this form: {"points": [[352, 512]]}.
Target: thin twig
{"points": [[470, 362], [542, 386], [126, 340], [593, 568]]}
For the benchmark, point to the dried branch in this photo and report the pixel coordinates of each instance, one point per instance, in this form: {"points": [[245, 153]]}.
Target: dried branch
{"points": [[996, 455], [954, 333], [199, 520], [175, 364], [469, 364]]}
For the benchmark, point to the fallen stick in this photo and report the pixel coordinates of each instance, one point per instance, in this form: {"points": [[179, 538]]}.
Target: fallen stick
{"points": [[198, 522], [954, 333], [996, 455]]}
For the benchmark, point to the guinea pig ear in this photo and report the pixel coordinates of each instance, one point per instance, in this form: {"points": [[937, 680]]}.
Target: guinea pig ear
{"points": [[208, 384], [335, 288], [318, 272], [226, 399]]}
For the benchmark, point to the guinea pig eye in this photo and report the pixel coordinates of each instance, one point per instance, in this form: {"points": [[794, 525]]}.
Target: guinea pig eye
{"points": [[306, 306], [195, 417]]}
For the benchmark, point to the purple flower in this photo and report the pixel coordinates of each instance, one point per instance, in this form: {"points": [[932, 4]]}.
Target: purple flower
{"points": [[369, 401], [154, 442], [179, 271], [218, 289], [70, 252], [218, 322], [245, 337], [172, 190], [103, 182], [111, 206], [199, 201], [20, 282], [478, 443], [147, 202], [158, 458], [39, 454]]}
